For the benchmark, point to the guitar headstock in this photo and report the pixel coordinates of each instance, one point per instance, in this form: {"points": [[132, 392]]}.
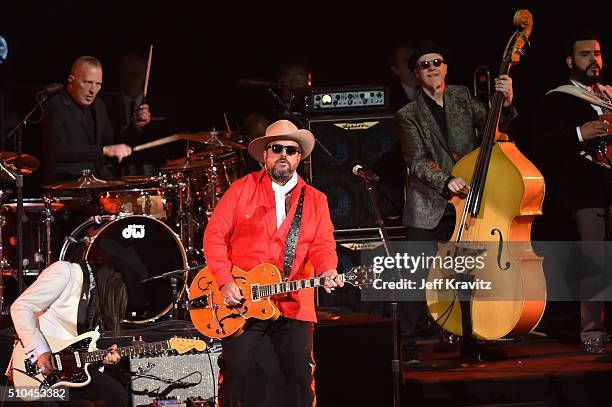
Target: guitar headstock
{"points": [[360, 276], [182, 345]]}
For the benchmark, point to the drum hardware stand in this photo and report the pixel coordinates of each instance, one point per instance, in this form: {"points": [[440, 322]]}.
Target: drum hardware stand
{"points": [[173, 312], [213, 139], [185, 217], [48, 220], [213, 183], [17, 132], [3, 262]]}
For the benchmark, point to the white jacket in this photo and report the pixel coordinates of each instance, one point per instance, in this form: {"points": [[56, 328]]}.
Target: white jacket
{"points": [[49, 305]]}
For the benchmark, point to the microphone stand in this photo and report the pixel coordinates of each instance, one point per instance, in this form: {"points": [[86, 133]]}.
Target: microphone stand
{"points": [[17, 131], [395, 362]]}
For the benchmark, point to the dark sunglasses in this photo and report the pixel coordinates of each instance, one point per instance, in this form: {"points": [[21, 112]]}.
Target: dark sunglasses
{"points": [[425, 64], [278, 148]]}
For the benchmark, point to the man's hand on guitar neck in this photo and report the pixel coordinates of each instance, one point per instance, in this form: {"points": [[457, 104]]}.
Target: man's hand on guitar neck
{"points": [[231, 294], [112, 357], [330, 282]]}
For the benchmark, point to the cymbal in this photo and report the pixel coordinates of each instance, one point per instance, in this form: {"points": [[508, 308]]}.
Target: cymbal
{"points": [[140, 179], [212, 138], [85, 182], [8, 169], [197, 160]]}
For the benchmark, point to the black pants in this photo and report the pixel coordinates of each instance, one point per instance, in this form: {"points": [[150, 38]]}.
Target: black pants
{"points": [[411, 311], [292, 341], [102, 389], [591, 226]]}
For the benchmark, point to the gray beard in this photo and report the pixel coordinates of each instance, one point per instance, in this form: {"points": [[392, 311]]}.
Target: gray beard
{"points": [[281, 177]]}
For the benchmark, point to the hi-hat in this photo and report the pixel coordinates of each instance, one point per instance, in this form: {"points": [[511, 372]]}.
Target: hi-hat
{"points": [[212, 138], [85, 182], [8, 165]]}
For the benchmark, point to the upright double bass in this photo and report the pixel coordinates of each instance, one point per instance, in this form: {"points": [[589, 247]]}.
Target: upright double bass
{"points": [[494, 221]]}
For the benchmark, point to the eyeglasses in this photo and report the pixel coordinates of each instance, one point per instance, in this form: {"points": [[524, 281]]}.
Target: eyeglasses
{"points": [[278, 148], [425, 64]]}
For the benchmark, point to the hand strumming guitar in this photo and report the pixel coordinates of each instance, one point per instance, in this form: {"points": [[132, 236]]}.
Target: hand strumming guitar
{"points": [[231, 294], [46, 364]]}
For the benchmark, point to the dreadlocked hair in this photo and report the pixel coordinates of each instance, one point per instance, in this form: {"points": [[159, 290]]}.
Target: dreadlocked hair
{"points": [[112, 296]]}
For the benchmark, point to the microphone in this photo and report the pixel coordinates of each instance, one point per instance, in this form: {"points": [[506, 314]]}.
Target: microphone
{"points": [[367, 175], [255, 83], [51, 89]]}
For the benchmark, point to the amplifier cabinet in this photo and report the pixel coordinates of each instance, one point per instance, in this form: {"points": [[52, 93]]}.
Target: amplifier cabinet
{"points": [[366, 140], [179, 376]]}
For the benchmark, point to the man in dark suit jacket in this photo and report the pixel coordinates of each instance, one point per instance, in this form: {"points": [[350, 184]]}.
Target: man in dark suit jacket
{"points": [[564, 139], [404, 87], [77, 133], [436, 130]]}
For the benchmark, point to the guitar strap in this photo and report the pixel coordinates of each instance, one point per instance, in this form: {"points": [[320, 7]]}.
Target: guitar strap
{"points": [[82, 315], [292, 237]]}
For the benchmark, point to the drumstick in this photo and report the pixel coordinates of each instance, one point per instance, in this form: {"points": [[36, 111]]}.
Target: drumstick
{"points": [[155, 143], [146, 84], [227, 126]]}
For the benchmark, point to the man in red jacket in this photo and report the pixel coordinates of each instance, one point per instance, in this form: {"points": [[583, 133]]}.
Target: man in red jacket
{"points": [[250, 226]]}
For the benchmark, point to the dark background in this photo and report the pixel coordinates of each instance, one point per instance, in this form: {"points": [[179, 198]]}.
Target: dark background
{"points": [[202, 48]]}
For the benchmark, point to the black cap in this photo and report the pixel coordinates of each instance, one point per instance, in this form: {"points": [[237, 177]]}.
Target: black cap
{"points": [[425, 48]]}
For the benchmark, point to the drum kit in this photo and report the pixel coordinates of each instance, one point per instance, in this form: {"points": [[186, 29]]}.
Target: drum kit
{"points": [[151, 224]]}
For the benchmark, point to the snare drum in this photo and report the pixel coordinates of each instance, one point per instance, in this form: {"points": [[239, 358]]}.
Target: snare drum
{"points": [[149, 201], [141, 247]]}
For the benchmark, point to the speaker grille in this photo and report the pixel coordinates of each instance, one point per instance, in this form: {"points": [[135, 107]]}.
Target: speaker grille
{"points": [[178, 376], [368, 141]]}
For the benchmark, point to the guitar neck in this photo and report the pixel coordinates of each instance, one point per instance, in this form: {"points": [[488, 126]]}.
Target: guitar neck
{"points": [[263, 291], [134, 350]]}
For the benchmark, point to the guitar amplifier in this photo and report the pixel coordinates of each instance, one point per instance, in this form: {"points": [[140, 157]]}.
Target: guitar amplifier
{"points": [[180, 377], [325, 100]]}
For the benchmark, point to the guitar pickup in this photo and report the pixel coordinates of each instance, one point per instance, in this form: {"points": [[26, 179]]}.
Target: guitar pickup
{"points": [[199, 303]]}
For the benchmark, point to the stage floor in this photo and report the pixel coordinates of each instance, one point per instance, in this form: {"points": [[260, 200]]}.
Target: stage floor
{"points": [[353, 369], [537, 371]]}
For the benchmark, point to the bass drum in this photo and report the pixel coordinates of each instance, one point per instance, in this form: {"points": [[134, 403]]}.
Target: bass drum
{"points": [[139, 247]]}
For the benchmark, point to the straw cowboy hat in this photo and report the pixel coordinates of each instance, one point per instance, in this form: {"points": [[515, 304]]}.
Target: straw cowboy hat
{"points": [[282, 130]]}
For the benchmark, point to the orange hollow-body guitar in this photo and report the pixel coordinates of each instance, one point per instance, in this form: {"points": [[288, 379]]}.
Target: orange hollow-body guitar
{"points": [[216, 320]]}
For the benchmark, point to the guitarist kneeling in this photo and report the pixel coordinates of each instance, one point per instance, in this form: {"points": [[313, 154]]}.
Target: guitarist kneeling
{"points": [[273, 216], [66, 300]]}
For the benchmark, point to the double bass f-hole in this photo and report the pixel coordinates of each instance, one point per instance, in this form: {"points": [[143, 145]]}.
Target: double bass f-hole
{"points": [[500, 246]]}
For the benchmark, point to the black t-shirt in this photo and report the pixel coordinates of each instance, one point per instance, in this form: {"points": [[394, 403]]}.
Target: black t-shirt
{"points": [[438, 114]]}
